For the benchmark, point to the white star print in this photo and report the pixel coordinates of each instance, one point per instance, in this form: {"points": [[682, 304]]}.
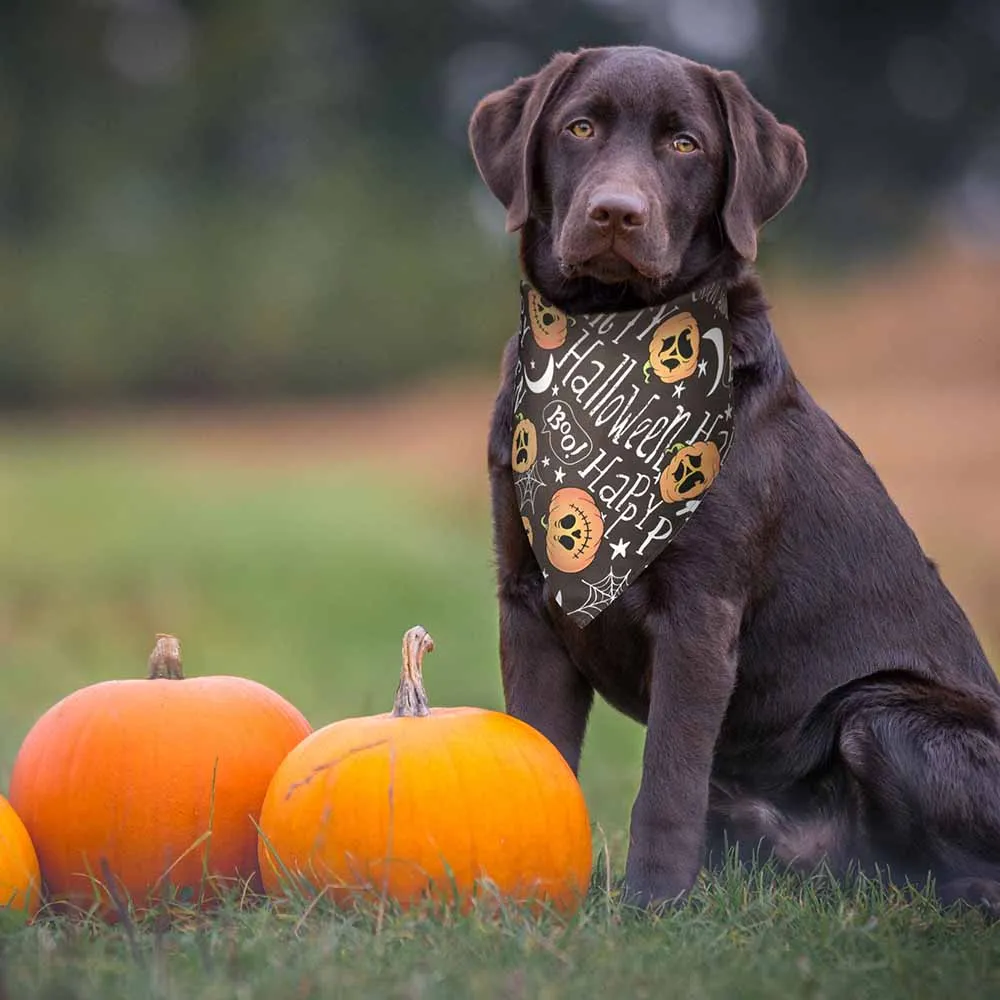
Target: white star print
{"points": [[678, 389], [555, 390], [619, 548], [532, 365], [729, 412], [546, 461], [702, 367], [560, 475]]}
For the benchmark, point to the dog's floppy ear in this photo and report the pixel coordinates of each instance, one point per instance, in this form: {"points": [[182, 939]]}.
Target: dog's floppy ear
{"points": [[503, 132], [767, 162]]}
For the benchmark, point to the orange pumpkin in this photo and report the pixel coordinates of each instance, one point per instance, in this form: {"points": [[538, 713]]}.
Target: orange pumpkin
{"points": [[691, 471], [426, 803], [20, 880], [154, 782]]}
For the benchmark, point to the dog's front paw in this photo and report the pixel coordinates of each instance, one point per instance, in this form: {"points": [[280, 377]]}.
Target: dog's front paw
{"points": [[655, 887]]}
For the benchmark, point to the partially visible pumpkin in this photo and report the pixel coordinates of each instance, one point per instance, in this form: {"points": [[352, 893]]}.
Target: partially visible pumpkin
{"points": [[156, 783], [691, 471], [426, 803], [20, 879]]}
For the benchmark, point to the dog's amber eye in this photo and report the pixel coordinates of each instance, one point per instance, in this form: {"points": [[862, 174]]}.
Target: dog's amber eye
{"points": [[580, 129], [684, 144]]}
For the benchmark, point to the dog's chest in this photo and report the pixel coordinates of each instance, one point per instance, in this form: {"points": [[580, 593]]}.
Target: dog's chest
{"points": [[612, 652]]}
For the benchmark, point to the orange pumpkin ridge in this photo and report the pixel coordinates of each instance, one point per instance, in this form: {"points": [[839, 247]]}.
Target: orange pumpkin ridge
{"points": [[426, 803], [157, 781]]}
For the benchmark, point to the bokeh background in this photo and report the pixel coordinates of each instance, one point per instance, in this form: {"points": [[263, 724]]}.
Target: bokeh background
{"points": [[252, 299]]}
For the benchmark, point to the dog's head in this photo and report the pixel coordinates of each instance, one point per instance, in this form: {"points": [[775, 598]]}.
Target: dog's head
{"points": [[632, 172]]}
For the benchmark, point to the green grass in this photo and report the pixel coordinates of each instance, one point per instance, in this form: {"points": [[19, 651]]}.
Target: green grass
{"points": [[305, 579], [761, 935]]}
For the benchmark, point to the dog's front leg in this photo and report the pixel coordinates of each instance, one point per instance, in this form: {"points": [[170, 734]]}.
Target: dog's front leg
{"points": [[692, 674], [541, 684]]}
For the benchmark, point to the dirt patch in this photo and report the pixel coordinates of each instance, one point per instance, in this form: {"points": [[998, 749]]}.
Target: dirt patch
{"points": [[426, 430], [925, 321]]}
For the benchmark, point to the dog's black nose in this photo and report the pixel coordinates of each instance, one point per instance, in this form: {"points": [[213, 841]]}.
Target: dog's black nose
{"points": [[615, 209]]}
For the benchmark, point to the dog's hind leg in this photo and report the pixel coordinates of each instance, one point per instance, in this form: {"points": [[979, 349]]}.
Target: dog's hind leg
{"points": [[811, 826], [925, 759]]}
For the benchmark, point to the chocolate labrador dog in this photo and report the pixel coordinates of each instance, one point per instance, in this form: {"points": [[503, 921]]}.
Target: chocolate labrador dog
{"points": [[807, 682]]}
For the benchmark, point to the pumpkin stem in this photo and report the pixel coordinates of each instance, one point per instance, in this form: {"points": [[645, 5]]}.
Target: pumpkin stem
{"points": [[411, 699], [165, 660]]}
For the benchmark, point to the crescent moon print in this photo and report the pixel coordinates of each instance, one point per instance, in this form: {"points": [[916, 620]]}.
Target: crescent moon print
{"points": [[609, 460], [715, 337], [544, 383]]}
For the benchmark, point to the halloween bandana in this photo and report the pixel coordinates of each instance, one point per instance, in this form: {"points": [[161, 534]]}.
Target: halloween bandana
{"points": [[621, 424]]}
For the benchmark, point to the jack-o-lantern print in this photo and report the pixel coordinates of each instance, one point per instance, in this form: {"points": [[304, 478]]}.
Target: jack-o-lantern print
{"points": [[524, 447], [574, 530], [581, 483], [673, 348], [548, 324], [691, 471]]}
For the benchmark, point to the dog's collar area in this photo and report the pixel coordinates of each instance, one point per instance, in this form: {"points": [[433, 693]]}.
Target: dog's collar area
{"points": [[621, 424], [714, 291]]}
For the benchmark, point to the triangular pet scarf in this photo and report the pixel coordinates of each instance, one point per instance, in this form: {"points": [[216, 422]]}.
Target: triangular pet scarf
{"points": [[621, 424]]}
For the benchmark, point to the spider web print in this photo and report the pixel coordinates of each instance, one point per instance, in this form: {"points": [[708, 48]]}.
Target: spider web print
{"points": [[527, 485], [601, 594]]}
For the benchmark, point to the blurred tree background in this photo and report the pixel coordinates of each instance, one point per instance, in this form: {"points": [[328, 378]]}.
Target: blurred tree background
{"points": [[237, 199]]}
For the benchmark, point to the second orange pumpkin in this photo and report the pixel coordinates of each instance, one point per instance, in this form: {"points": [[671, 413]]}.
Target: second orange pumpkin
{"points": [[427, 802]]}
